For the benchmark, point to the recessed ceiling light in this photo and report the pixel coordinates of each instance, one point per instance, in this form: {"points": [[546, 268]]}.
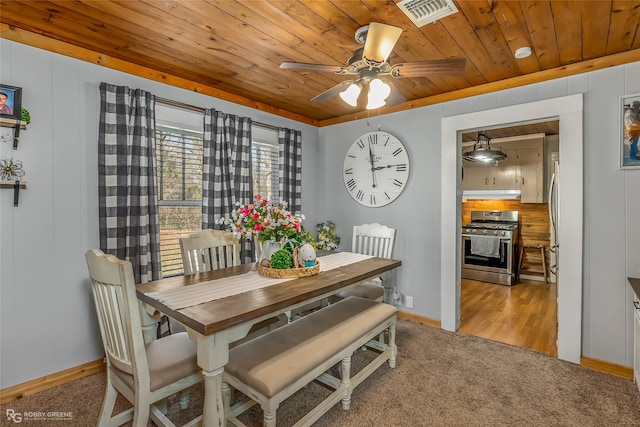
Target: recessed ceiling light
{"points": [[523, 52]]}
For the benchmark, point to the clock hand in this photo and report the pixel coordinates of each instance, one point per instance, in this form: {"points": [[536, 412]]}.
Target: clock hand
{"points": [[377, 168], [373, 170]]}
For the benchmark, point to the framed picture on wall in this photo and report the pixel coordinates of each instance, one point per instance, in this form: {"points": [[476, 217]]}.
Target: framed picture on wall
{"points": [[10, 101], [630, 131]]}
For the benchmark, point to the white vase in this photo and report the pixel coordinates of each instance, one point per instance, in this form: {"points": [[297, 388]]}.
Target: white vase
{"points": [[266, 249]]}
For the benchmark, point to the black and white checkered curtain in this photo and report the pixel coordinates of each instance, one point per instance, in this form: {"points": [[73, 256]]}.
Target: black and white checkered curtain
{"points": [[128, 202], [290, 171], [226, 172]]}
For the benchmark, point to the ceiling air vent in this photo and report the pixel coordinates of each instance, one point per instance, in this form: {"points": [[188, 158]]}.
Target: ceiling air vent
{"points": [[423, 12]]}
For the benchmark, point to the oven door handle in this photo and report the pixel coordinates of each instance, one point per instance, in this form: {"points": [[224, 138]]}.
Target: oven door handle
{"points": [[485, 235]]}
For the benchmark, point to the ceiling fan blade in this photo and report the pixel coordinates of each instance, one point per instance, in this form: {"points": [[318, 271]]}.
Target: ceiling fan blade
{"points": [[312, 67], [395, 97], [426, 68], [331, 92], [381, 39]]}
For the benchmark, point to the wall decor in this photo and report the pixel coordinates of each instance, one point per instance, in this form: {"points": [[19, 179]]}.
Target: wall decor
{"points": [[630, 131], [376, 169], [10, 102], [12, 170]]}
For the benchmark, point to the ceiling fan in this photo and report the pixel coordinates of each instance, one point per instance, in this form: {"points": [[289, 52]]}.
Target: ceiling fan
{"points": [[370, 67]]}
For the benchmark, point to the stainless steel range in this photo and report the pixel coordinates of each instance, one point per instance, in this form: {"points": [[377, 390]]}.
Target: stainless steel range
{"points": [[490, 247]]}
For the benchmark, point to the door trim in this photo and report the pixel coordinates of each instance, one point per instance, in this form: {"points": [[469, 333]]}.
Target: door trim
{"points": [[568, 110]]}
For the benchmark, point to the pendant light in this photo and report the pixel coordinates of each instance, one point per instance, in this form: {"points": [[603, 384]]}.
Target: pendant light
{"points": [[482, 151]]}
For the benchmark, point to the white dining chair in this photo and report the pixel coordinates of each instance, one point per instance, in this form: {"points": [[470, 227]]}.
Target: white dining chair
{"points": [[144, 374], [370, 239], [209, 250]]}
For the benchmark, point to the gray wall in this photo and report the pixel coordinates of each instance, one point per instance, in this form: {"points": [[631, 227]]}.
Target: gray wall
{"points": [[47, 319], [611, 203], [47, 322]]}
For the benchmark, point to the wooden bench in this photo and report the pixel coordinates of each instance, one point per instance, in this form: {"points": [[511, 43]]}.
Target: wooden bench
{"points": [[274, 366]]}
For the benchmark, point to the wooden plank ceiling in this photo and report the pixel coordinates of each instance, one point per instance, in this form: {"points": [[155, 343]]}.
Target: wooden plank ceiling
{"points": [[236, 47]]}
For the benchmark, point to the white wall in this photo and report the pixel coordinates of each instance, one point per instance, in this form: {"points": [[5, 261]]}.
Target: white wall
{"points": [[611, 202], [47, 323], [47, 320]]}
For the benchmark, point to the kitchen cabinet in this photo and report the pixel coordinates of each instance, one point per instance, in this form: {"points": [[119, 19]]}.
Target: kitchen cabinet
{"points": [[523, 170], [489, 176], [505, 175], [530, 172]]}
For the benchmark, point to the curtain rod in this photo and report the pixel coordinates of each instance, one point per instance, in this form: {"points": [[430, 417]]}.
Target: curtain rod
{"points": [[173, 103]]}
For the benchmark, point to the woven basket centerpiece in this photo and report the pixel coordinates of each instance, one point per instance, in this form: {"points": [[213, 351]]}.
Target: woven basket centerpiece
{"points": [[264, 268]]}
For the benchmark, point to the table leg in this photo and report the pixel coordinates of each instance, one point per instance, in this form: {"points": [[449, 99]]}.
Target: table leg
{"points": [[213, 410], [389, 280], [213, 354]]}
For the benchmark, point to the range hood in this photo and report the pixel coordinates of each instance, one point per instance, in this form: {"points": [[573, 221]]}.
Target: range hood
{"points": [[491, 194]]}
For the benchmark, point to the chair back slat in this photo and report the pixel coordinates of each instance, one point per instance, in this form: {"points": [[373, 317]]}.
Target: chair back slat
{"points": [[209, 250], [109, 299], [373, 239], [117, 309]]}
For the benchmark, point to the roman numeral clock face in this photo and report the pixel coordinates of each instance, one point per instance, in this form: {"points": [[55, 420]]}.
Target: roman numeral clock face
{"points": [[376, 169]]}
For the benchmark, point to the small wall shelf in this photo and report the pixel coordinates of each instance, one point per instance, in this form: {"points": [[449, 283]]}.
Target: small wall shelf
{"points": [[17, 186], [9, 123]]}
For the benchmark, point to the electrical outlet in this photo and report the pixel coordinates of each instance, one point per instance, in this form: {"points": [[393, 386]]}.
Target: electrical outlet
{"points": [[408, 301]]}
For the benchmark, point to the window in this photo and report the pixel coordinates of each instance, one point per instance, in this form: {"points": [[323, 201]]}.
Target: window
{"points": [[264, 167], [179, 174]]}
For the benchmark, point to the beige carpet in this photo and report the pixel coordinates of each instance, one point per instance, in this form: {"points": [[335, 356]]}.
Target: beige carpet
{"points": [[442, 379]]}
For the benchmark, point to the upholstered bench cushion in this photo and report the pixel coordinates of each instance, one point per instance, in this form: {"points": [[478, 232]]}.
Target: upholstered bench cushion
{"points": [[274, 361], [365, 290], [169, 358]]}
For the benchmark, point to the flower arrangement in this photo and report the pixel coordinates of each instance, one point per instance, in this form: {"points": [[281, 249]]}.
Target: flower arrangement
{"points": [[327, 237], [266, 221]]}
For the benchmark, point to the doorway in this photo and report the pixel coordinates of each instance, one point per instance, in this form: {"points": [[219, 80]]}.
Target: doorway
{"points": [[523, 314], [569, 111]]}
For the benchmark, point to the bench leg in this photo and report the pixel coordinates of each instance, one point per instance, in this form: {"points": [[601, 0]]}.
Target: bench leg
{"points": [[226, 397], [392, 346], [269, 419], [345, 382]]}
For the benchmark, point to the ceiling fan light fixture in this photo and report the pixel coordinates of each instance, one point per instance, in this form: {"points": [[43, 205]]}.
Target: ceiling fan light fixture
{"points": [[482, 151], [379, 91], [380, 40], [350, 95], [374, 103]]}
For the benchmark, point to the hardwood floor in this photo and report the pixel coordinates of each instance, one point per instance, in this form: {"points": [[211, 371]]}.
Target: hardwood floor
{"points": [[523, 315]]}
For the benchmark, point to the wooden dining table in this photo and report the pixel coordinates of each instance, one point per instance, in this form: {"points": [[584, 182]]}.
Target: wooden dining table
{"points": [[214, 324]]}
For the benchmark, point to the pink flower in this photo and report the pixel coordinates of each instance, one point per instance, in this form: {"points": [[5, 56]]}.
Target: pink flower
{"points": [[257, 197], [257, 227]]}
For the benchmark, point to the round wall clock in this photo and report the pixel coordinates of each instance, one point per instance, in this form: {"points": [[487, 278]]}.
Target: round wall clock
{"points": [[376, 169]]}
